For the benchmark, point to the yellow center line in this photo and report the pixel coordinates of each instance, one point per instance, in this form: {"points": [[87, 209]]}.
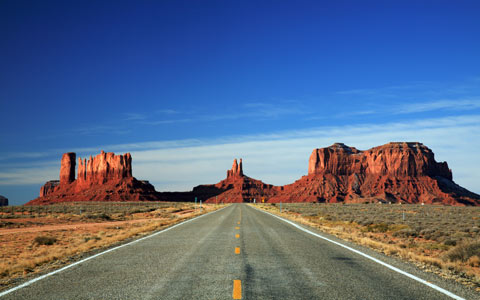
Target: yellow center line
{"points": [[237, 289], [237, 235], [237, 227], [237, 250]]}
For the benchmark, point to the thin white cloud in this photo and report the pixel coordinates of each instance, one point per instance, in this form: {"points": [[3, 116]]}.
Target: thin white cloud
{"points": [[134, 117], [252, 110], [384, 91], [167, 111], [457, 105]]}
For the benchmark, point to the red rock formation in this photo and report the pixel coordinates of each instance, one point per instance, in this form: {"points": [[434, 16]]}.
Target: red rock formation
{"points": [[106, 177], [237, 169], [67, 168], [48, 187], [237, 187], [102, 168], [395, 172], [395, 159]]}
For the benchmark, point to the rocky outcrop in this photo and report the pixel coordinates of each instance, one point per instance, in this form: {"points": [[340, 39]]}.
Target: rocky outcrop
{"points": [[3, 201], [105, 177], [394, 159], [104, 167], [67, 168], [395, 172], [236, 170], [237, 187], [49, 187]]}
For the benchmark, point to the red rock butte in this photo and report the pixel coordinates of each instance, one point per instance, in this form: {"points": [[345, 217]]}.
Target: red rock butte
{"points": [[105, 177], [395, 172]]}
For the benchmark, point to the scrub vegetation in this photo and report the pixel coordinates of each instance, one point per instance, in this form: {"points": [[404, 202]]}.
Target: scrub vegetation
{"points": [[440, 239], [35, 239]]}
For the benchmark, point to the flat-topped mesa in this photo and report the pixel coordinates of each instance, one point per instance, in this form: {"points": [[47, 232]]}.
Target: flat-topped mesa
{"points": [[237, 169], [104, 167], [397, 159], [67, 168]]}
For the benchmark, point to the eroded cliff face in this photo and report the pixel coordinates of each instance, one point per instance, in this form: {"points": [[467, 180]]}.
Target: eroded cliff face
{"points": [[104, 167], [105, 177], [395, 172], [394, 159], [236, 170], [67, 168]]}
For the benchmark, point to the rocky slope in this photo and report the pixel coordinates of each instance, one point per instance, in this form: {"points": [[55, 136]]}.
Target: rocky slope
{"points": [[105, 177]]}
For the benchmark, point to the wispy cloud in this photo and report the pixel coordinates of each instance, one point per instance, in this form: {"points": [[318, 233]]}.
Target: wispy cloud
{"points": [[416, 91], [95, 130], [457, 105], [134, 116], [248, 111], [167, 111], [387, 91]]}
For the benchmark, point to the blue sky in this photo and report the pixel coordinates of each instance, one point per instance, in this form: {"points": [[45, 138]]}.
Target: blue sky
{"points": [[186, 86]]}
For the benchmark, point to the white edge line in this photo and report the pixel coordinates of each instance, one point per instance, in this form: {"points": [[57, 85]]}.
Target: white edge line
{"points": [[433, 286], [25, 284]]}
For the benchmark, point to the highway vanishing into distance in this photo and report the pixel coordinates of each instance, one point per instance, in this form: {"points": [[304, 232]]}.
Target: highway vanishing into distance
{"points": [[238, 252]]}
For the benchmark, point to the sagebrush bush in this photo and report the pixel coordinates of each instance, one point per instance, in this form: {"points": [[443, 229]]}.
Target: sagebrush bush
{"points": [[464, 251], [45, 240]]}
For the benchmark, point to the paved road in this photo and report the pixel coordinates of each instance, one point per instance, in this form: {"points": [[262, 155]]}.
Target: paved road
{"points": [[235, 252]]}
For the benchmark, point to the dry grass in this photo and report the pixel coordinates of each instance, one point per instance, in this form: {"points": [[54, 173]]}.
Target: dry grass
{"points": [[441, 239], [37, 239]]}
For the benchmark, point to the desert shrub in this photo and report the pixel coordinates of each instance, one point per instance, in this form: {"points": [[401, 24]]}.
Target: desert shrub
{"points": [[405, 233], [45, 240], [309, 214], [380, 227], [88, 238], [475, 229], [474, 261], [464, 251], [450, 242]]}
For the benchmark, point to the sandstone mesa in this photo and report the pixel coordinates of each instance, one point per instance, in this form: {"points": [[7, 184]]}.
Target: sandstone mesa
{"points": [[395, 172]]}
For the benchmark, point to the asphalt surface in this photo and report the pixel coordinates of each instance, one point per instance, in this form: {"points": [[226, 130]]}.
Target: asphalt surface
{"points": [[199, 260]]}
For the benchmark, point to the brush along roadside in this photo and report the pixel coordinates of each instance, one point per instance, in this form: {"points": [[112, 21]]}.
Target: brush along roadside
{"points": [[40, 242], [441, 239]]}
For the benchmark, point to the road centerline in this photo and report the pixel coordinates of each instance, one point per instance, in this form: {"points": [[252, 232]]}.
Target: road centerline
{"points": [[237, 289]]}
